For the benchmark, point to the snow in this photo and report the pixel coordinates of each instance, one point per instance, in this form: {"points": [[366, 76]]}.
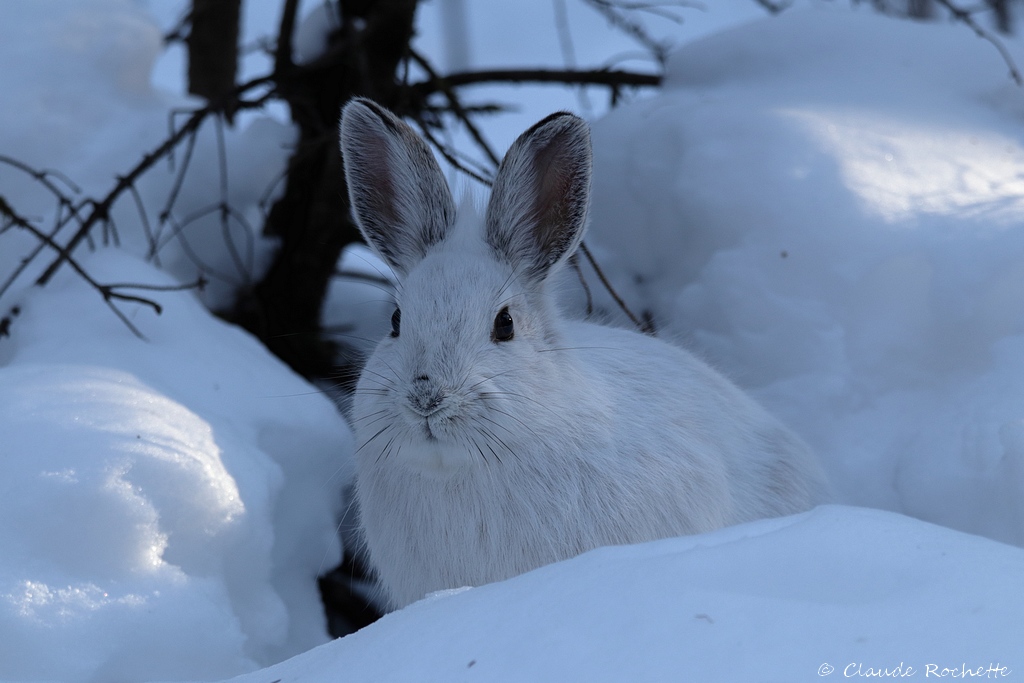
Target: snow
{"points": [[836, 587], [839, 229], [160, 497], [825, 204]]}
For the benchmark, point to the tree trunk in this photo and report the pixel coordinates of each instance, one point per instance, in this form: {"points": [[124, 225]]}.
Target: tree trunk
{"points": [[213, 48], [312, 216]]}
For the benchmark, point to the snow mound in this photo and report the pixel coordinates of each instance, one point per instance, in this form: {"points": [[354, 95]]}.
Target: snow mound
{"points": [[828, 206], [787, 599], [167, 504]]}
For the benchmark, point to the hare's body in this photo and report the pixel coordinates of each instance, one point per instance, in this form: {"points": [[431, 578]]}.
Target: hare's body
{"points": [[496, 437]]}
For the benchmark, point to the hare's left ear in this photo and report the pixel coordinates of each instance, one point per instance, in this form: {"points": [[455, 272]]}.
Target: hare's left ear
{"points": [[398, 193], [538, 208]]}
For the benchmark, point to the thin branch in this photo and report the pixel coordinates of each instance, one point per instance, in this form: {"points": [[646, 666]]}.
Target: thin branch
{"points": [[575, 263], [179, 179], [658, 9], [107, 291], [614, 14], [641, 325], [101, 209], [457, 108], [774, 8], [967, 18], [448, 155], [43, 176], [613, 78], [568, 47]]}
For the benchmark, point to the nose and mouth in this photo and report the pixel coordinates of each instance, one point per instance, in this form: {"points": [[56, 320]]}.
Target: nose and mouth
{"points": [[426, 400]]}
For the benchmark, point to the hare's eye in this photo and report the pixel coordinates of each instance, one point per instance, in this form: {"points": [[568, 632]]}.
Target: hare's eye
{"points": [[396, 322], [503, 327]]}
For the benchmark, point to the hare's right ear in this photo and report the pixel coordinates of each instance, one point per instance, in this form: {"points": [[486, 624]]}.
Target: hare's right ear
{"points": [[399, 196], [538, 208]]}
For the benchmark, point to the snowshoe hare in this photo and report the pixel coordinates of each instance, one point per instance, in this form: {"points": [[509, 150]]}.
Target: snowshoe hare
{"points": [[496, 436]]}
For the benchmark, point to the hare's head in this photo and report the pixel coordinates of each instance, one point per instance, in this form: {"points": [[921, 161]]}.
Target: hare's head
{"points": [[473, 315]]}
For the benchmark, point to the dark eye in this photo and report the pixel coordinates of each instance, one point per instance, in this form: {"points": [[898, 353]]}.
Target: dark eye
{"points": [[396, 322], [503, 327]]}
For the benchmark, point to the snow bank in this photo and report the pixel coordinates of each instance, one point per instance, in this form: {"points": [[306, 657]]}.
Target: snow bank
{"points": [[838, 590], [166, 504], [828, 206]]}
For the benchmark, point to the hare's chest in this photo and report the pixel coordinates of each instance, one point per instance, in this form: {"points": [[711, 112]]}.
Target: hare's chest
{"points": [[428, 533]]}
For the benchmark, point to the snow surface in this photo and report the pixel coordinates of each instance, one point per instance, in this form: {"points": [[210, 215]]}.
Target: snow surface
{"points": [[776, 600], [826, 204], [829, 205], [159, 498]]}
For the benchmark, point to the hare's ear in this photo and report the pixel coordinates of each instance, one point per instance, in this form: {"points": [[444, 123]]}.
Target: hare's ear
{"points": [[399, 196], [538, 208]]}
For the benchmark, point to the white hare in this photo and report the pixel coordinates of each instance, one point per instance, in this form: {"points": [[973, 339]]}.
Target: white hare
{"points": [[496, 436]]}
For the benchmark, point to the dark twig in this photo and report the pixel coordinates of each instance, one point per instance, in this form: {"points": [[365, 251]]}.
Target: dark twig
{"points": [[568, 47], [641, 325], [43, 177], [108, 292], [612, 78], [575, 263], [179, 179], [456, 107], [616, 16], [449, 155], [100, 212], [147, 229], [964, 16], [774, 7]]}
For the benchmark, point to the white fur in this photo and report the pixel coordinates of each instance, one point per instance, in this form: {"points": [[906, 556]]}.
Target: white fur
{"points": [[568, 436]]}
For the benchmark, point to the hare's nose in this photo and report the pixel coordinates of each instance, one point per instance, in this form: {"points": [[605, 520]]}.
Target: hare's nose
{"points": [[422, 378], [426, 401]]}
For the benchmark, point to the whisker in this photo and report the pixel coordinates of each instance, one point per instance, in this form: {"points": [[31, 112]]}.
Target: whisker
{"points": [[367, 442], [381, 415], [488, 379], [385, 452], [370, 392], [495, 437], [527, 427], [505, 285], [390, 381], [393, 371], [481, 451], [490, 394]]}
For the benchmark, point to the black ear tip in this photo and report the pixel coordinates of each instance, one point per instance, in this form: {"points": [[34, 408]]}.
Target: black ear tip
{"points": [[561, 121]]}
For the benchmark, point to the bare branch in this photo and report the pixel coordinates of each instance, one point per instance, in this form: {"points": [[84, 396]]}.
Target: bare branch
{"points": [[612, 78], [457, 108], [100, 211], [108, 292], [449, 155], [964, 16], [614, 13], [774, 7], [643, 325]]}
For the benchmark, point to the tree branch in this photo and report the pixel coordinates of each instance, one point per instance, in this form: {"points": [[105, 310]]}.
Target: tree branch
{"points": [[965, 17], [612, 78], [457, 108], [100, 211], [108, 292]]}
